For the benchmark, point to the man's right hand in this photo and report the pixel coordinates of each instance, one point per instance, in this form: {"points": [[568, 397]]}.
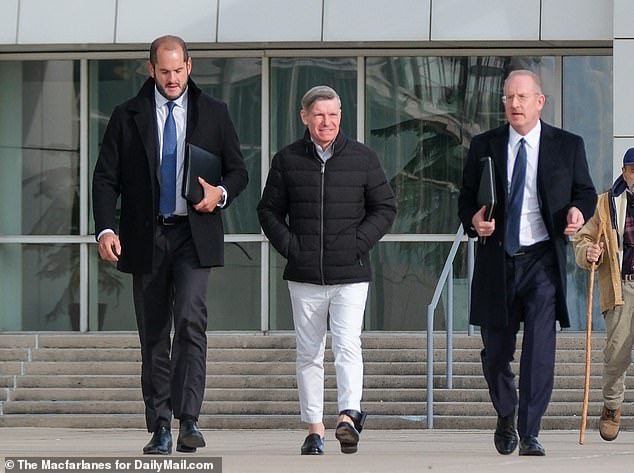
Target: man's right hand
{"points": [[593, 253], [482, 227], [109, 247]]}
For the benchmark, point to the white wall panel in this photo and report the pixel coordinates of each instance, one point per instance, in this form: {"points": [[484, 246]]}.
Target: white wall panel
{"points": [[8, 21], [583, 20], [66, 21], [376, 20], [141, 21], [623, 18], [623, 93], [269, 20], [481, 20]]}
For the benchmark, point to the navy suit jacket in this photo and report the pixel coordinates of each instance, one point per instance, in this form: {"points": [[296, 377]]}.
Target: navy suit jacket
{"points": [[127, 169], [563, 181]]}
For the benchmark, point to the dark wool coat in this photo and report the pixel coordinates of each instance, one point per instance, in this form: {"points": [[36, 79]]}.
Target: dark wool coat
{"points": [[563, 181], [127, 167], [325, 217]]}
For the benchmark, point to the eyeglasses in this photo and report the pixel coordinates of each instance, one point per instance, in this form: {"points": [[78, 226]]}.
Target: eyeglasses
{"points": [[521, 98]]}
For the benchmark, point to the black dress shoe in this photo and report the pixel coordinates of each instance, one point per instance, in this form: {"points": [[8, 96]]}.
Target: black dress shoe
{"points": [[347, 433], [505, 437], [160, 443], [313, 445], [530, 446], [189, 437]]}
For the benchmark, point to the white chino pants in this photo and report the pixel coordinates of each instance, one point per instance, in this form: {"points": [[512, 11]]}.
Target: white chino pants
{"points": [[312, 304]]}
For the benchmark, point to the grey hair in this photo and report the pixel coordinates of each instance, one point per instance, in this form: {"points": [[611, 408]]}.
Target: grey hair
{"points": [[525, 72], [320, 92]]}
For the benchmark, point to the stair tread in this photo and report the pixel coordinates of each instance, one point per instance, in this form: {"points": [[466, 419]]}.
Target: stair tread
{"points": [[93, 380]]}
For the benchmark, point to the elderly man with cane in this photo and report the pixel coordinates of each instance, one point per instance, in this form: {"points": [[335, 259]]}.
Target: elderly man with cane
{"points": [[613, 254]]}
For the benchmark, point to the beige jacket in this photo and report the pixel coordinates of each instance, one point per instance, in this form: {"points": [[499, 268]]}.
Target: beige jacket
{"points": [[609, 265]]}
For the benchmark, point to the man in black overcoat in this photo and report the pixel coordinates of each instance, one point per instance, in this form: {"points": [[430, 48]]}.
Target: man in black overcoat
{"points": [[544, 194], [167, 243]]}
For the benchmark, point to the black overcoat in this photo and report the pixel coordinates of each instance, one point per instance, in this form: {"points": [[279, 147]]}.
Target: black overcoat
{"points": [[563, 181], [127, 167]]}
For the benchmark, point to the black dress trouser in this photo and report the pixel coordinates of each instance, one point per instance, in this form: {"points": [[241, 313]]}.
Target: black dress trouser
{"points": [[173, 372], [531, 291]]}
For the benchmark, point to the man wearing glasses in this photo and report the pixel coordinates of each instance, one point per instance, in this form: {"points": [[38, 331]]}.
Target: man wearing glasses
{"points": [[543, 194]]}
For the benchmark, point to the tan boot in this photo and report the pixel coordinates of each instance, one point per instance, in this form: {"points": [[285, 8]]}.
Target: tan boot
{"points": [[609, 423]]}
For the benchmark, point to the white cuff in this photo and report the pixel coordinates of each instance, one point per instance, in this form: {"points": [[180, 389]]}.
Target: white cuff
{"points": [[103, 232], [223, 201]]}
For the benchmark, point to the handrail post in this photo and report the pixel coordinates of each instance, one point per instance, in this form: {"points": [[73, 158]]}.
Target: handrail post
{"points": [[470, 266], [446, 271], [430, 367], [449, 345]]}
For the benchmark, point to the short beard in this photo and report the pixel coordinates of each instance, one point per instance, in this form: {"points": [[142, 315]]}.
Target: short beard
{"points": [[164, 93]]}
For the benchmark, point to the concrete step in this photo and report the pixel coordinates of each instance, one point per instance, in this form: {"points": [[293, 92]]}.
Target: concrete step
{"points": [[211, 394], [251, 355], [263, 422], [217, 368], [391, 340], [92, 380]]}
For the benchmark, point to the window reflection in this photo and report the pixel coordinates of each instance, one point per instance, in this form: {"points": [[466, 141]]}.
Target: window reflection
{"points": [[588, 86], [404, 280], [291, 78], [39, 287], [39, 147], [421, 115]]}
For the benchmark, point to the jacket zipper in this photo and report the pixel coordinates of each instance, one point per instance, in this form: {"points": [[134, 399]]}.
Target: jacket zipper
{"points": [[321, 223]]}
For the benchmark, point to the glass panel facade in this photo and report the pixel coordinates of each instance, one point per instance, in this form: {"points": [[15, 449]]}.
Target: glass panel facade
{"points": [[39, 147], [420, 113], [587, 111], [291, 78], [405, 277], [233, 293], [39, 287]]}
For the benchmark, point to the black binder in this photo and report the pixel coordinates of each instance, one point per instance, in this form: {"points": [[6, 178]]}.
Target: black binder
{"points": [[486, 191], [199, 162]]}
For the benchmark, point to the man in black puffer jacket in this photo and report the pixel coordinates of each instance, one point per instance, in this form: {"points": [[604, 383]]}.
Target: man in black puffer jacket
{"points": [[326, 203]]}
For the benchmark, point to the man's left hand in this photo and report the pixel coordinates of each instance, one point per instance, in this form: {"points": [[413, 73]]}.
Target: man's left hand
{"points": [[574, 221], [211, 199]]}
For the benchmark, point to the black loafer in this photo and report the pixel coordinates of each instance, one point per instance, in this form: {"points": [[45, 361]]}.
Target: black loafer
{"points": [[189, 437], [347, 433], [313, 445], [160, 443], [531, 447], [505, 437]]}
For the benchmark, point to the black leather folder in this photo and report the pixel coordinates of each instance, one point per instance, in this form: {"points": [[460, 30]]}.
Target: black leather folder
{"points": [[199, 162], [486, 191]]}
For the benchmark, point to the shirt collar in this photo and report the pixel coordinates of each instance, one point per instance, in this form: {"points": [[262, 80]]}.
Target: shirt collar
{"points": [[323, 153], [531, 138], [161, 100]]}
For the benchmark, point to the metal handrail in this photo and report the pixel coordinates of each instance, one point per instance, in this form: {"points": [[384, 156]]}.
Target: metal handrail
{"points": [[446, 276]]}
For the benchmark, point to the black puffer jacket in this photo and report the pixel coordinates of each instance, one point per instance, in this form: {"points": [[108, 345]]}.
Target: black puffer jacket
{"points": [[325, 217]]}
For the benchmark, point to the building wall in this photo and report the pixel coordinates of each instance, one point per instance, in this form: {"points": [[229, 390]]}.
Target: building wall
{"points": [[94, 23], [623, 52], [407, 37]]}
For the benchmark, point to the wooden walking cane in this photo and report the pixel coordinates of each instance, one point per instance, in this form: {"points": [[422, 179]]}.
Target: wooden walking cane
{"points": [[586, 388]]}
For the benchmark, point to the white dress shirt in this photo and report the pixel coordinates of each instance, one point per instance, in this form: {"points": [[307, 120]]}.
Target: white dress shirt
{"points": [[180, 117], [532, 227]]}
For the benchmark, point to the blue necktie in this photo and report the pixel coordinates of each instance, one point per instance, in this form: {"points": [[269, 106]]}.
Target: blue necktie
{"points": [[168, 165], [516, 197]]}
